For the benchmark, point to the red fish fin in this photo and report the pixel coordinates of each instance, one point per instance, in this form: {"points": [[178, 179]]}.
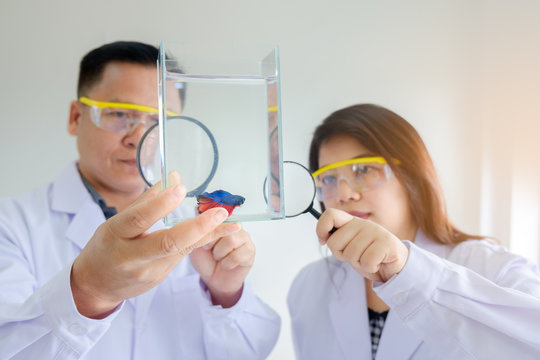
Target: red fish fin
{"points": [[205, 205]]}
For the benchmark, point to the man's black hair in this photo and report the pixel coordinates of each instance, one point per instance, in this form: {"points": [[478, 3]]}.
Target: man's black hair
{"points": [[93, 63]]}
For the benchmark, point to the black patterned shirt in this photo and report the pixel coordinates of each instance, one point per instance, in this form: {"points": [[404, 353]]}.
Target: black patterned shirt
{"points": [[376, 325]]}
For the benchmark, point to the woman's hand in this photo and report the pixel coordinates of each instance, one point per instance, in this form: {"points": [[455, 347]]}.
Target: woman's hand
{"points": [[370, 249]]}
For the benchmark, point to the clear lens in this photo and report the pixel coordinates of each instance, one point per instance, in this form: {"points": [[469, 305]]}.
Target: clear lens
{"points": [[122, 120], [359, 177]]}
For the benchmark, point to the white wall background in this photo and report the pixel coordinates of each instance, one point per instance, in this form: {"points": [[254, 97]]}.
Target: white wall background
{"points": [[464, 73]]}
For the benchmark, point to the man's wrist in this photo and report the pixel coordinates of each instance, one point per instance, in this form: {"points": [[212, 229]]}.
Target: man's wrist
{"points": [[90, 305]]}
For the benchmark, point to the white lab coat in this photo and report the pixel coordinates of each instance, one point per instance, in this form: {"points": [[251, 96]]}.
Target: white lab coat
{"points": [[473, 300], [40, 235]]}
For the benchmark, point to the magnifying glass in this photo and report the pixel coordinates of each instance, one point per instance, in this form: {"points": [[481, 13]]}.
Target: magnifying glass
{"points": [[190, 149], [299, 191]]}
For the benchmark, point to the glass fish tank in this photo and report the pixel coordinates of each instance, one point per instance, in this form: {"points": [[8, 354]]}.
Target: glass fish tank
{"points": [[219, 128]]}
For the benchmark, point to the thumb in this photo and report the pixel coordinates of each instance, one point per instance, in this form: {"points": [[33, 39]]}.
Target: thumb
{"points": [[182, 238], [331, 219]]}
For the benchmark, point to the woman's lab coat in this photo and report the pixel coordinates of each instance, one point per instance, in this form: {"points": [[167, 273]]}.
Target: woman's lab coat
{"points": [[473, 300], [40, 235]]}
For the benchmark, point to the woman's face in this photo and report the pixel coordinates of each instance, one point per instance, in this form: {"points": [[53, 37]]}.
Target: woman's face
{"points": [[386, 205]]}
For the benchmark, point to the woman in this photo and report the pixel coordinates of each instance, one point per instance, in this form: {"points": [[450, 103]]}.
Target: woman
{"points": [[403, 281]]}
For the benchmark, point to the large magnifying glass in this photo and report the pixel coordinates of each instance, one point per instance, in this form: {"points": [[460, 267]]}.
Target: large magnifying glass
{"points": [[185, 138]]}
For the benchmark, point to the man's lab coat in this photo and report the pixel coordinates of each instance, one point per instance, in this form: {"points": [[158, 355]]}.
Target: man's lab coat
{"points": [[40, 235], [469, 301]]}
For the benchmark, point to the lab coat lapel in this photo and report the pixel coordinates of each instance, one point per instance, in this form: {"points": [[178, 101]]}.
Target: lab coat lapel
{"points": [[85, 223], [70, 196], [349, 319], [397, 341]]}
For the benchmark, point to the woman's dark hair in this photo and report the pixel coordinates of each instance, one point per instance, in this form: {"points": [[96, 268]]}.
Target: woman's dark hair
{"points": [[386, 134], [93, 63]]}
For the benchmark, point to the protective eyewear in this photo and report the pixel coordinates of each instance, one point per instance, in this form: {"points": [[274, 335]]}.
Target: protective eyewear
{"points": [[360, 174], [122, 117]]}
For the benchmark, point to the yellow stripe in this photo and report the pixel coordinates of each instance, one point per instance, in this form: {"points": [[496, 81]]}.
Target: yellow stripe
{"points": [[104, 104], [373, 159]]}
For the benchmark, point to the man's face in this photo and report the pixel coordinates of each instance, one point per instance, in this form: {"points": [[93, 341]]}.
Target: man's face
{"points": [[108, 159]]}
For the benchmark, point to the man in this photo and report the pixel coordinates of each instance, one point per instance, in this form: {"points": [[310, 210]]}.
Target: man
{"points": [[74, 286]]}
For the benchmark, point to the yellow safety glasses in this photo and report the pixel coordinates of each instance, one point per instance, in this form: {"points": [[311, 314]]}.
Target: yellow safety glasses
{"points": [[122, 117], [360, 174]]}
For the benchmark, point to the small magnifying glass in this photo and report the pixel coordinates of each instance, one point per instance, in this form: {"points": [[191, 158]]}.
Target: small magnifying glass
{"points": [[186, 136], [299, 191]]}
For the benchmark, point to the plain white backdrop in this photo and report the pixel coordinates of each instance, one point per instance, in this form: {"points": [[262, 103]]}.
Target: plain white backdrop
{"points": [[464, 73]]}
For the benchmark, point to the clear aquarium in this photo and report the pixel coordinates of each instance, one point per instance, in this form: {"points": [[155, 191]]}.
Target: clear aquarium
{"points": [[219, 127]]}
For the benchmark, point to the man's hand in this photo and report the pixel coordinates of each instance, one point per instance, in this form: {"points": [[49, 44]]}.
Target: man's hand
{"points": [[224, 264], [370, 249], [121, 260]]}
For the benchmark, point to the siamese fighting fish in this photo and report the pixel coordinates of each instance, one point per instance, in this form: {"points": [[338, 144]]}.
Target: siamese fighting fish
{"points": [[219, 198]]}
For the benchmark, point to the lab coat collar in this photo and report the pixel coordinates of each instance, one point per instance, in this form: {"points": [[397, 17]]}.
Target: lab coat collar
{"points": [[68, 191], [69, 195]]}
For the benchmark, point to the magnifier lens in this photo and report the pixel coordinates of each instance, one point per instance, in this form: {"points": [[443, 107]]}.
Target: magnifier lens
{"points": [[299, 189], [148, 157], [190, 149]]}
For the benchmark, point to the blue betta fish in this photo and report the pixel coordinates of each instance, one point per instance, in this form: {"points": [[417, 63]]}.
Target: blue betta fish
{"points": [[219, 198]]}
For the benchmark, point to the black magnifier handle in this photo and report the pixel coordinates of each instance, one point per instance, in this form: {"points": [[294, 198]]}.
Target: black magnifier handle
{"points": [[314, 212], [317, 215]]}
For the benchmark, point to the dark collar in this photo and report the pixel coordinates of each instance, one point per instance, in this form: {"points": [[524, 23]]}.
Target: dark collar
{"points": [[107, 211]]}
